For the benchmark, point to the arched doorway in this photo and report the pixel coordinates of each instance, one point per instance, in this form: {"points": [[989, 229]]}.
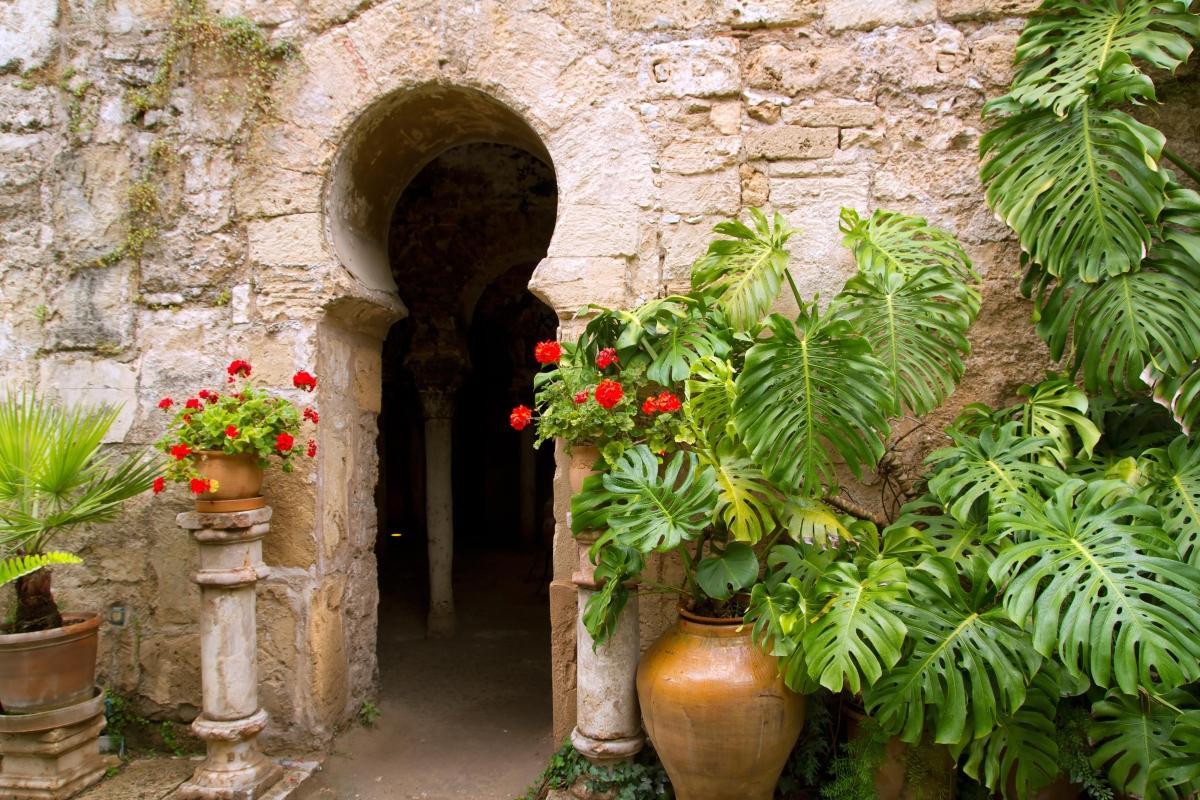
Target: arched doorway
{"points": [[455, 196]]}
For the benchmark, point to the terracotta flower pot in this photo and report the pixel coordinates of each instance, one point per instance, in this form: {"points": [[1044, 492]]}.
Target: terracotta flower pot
{"points": [[239, 481], [583, 456], [46, 670], [717, 710]]}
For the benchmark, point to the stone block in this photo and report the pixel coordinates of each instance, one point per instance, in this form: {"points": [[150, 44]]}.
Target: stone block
{"points": [[93, 382], [770, 13], [595, 230], [294, 240], [52, 755], [170, 668], [726, 117], [278, 650], [326, 649], [840, 115], [568, 284], [783, 142], [292, 541], [865, 15], [755, 186], [28, 34], [642, 15], [965, 10], [692, 68], [693, 156], [682, 243], [716, 193], [819, 262]]}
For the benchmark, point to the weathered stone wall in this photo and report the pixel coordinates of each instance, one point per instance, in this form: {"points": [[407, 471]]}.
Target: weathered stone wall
{"points": [[660, 117]]}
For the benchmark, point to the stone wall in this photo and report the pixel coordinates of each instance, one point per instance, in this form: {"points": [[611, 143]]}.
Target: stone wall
{"points": [[660, 117]]}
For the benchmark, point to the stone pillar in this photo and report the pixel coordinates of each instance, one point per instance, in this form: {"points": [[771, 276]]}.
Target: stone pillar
{"points": [[230, 719], [438, 405], [608, 727]]}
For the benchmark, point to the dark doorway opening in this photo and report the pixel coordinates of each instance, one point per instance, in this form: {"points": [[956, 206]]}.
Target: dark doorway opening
{"points": [[465, 237]]}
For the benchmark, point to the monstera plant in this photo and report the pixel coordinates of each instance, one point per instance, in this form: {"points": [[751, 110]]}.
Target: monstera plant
{"points": [[1052, 562], [773, 404]]}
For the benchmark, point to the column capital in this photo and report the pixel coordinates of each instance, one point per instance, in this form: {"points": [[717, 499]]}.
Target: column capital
{"points": [[437, 402]]}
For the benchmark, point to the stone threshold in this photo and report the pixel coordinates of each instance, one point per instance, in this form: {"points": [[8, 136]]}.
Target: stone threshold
{"points": [[157, 778]]}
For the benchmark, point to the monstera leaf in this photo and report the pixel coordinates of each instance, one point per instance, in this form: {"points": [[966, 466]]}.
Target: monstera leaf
{"points": [[616, 565], [1121, 327], [746, 500], [811, 390], [1133, 740], [891, 243], [681, 343], [810, 521], [917, 325], [1179, 392], [709, 396], [1073, 45], [1182, 766], [746, 270], [771, 616], [968, 664], [724, 574], [1056, 409], [992, 469], [959, 542], [1174, 472], [1096, 583], [1023, 747], [855, 635], [1083, 191], [648, 507]]}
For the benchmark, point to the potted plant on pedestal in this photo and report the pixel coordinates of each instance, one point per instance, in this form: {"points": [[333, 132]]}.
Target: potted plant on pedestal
{"points": [[54, 477], [769, 404], [219, 442]]}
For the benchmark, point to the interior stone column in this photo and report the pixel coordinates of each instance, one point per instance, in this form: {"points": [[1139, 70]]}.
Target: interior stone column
{"points": [[231, 719], [609, 725], [438, 406]]}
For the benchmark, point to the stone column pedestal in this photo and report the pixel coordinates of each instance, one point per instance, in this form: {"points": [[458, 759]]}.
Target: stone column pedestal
{"points": [[609, 725], [54, 754], [231, 719]]}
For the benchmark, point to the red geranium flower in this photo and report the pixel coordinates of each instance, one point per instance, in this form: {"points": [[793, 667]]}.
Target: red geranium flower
{"points": [[520, 417], [166, 403], [239, 367], [192, 403], [606, 357], [199, 485], [284, 442], [312, 448], [581, 397], [305, 381], [231, 431], [609, 393], [668, 402], [548, 352], [202, 394], [187, 418], [180, 451], [311, 414], [159, 484], [213, 397], [650, 406]]}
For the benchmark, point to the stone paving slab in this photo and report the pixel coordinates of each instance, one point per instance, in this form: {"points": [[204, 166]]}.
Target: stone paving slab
{"points": [[158, 778]]}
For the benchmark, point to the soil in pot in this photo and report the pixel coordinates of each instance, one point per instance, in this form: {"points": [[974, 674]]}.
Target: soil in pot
{"points": [[46, 670], [717, 711]]}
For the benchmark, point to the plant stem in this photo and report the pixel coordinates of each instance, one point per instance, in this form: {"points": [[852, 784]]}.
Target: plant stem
{"points": [[1178, 161], [795, 289], [855, 510]]}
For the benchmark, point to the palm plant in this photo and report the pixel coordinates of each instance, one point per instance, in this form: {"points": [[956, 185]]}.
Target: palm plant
{"points": [[771, 412], [54, 476]]}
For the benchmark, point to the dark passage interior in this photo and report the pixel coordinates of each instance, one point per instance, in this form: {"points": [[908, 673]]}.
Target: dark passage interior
{"points": [[465, 237]]}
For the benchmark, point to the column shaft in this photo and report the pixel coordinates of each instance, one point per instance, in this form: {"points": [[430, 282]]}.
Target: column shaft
{"points": [[439, 521]]}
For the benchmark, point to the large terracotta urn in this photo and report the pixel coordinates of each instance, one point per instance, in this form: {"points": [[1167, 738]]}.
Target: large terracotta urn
{"points": [[717, 710], [52, 669]]}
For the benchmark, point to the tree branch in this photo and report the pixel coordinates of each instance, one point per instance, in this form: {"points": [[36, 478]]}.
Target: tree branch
{"points": [[855, 510]]}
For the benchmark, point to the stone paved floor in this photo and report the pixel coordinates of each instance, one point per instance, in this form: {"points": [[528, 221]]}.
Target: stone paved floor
{"points": [[157, 779], [462, 718]]}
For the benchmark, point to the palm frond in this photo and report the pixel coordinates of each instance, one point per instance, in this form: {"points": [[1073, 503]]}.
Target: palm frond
{"points": [[19, 566]]}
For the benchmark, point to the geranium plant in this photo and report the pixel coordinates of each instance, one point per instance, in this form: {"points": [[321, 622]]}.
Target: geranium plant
{"points": [[242, 419], [587, 396]]}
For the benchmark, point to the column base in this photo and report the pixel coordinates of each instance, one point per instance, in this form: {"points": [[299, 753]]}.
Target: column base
{"points": [[441, 625], [604, 752], [235, 768], [52, 755]]}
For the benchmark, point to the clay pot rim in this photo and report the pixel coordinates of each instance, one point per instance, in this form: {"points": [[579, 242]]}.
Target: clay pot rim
{"points": [[693, 618], [82, 623], [223, 454]]}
